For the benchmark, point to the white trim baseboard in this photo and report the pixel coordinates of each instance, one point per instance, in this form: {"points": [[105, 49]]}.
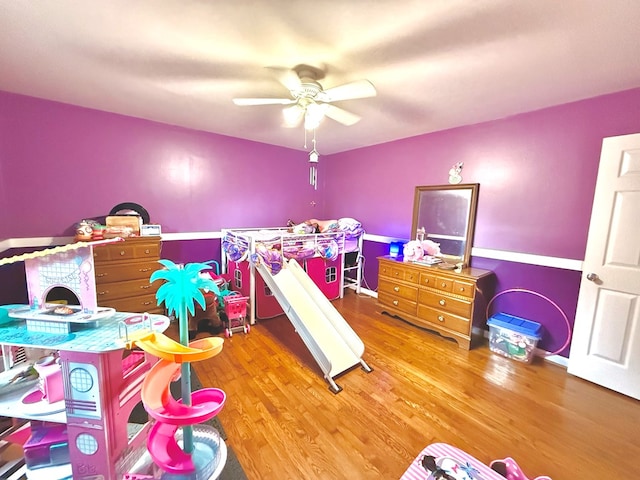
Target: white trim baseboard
{"points": [[528, 258], [517, 257]]}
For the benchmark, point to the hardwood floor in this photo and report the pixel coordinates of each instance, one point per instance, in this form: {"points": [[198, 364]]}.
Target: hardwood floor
{"points": [[284, 423]]}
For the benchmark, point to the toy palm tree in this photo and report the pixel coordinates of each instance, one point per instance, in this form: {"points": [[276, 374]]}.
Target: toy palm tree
{"points": [[182, 289]]}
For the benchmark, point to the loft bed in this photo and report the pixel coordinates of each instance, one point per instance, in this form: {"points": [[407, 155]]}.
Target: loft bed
{"points": [[330, 258]]}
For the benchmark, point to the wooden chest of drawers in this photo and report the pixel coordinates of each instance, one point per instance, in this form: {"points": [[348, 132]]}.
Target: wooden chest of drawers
{"points": [[122, 274], [444, 301]]}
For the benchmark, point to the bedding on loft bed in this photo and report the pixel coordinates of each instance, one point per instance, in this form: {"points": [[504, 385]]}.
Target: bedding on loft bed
{"points": [[351, 228], [272, 246]]}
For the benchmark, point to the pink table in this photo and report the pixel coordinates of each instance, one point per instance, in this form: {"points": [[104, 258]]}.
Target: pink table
{"points": [[458, 465]]}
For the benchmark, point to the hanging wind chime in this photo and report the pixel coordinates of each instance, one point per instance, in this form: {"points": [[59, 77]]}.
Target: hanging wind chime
{"points": [[313, 168], [314, 156]]}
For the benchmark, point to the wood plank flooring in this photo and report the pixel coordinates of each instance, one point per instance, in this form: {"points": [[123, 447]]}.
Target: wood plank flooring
{"points": [[284, 423]]}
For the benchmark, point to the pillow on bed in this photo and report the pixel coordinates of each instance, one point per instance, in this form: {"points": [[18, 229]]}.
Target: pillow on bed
{"points": [[350, 226]]}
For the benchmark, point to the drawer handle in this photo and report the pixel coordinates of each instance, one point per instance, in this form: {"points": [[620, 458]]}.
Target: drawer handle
{"points": [[426, 281], [144, 287], [146, 303], [147, 251], [396, 289], [441, 318], [101, 274], [397, 273], [121, 253], [462, 289], [144, 269], [102, 293], [444, 285], [395, 302], [442, 302]]}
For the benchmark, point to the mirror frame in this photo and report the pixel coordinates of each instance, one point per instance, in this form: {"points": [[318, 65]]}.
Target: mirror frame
{"points": [[470, 215]]}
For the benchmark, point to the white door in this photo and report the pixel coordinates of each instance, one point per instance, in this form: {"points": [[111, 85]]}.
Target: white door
{"points": [[606, 341]]}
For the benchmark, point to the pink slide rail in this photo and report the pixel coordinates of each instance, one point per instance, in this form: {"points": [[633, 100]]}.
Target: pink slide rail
{"points": [[171, 413]]}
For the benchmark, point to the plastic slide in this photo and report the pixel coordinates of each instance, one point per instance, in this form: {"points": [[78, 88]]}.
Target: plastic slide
{"points": [[160, 404], [161, 346], [170, 413], [332, 342]]}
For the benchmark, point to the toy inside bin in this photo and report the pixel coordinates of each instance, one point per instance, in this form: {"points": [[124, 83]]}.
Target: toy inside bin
{"points": [[513, 337]]}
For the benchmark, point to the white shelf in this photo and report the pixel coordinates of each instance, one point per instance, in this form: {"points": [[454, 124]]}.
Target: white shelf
{"points": [[11, 406]]}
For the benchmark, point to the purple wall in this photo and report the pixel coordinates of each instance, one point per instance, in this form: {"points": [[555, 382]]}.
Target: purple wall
{"points": [[537, 174], [4, 202], [62, 163], [59, 164]]}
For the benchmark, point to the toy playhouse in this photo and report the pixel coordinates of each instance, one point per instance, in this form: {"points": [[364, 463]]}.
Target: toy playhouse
{"points": [[91, 381], [321, 255]]}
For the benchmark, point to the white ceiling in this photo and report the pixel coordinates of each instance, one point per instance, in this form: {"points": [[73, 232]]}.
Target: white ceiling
{"points": [[436, 64]]}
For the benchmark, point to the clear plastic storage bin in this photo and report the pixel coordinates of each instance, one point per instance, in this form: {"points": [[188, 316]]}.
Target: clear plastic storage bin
{"points": [[513, 337]]}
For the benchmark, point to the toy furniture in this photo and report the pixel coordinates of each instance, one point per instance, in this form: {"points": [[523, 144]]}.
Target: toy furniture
{"points": [[443, 461], [440, 459], [96, 379], [235, 314], [100, 388]]}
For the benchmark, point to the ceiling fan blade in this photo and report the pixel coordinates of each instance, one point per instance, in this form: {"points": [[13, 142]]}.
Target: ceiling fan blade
{"points": [[341, 115], [287, 77], [263, 101], [293, 115], [348, 91]]}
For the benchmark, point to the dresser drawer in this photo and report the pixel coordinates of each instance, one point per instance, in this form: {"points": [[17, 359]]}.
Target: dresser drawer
{"points": [[106, 272], [400, 271], [446, 284], [466, 289], [428, 279], [398, 289], [123, 251], [444, 319], [398, 303], [131, 288], [445, 303], [143, 303]]}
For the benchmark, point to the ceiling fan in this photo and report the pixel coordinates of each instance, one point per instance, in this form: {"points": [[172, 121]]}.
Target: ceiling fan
{"points": [[310, 101]]}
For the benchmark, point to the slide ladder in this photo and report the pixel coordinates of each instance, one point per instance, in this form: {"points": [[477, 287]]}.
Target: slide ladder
{"points": [[330, 339]]}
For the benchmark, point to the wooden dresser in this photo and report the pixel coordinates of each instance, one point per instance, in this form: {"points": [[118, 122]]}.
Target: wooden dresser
{"points": [[122, 274], [444, 301]]}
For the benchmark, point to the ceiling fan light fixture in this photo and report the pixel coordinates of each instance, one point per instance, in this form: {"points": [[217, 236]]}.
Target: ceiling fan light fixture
{"points": [[314, 113], [292, 115]]}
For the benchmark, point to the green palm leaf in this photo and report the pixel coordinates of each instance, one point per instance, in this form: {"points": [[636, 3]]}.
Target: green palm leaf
{"points": [[183, 286]]}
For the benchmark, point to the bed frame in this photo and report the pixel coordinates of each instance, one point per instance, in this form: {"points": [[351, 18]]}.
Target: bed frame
{"points": [[315, 251]]}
